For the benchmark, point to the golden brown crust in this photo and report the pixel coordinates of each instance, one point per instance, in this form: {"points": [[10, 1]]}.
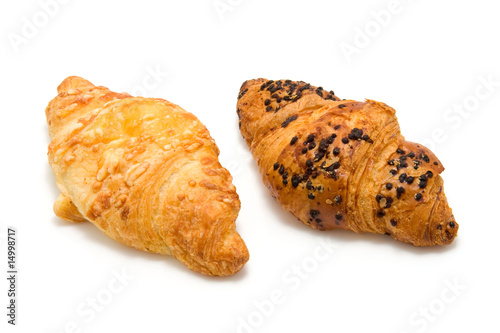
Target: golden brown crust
{"points": [[343, 164], [146, 173]]}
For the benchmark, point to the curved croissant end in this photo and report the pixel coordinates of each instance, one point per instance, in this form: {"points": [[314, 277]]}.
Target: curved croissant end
{"points": [[146, 173], [343, 164]]}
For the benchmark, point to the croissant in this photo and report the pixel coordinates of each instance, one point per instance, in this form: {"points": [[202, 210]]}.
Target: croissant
{"points": [[343, 164], [146, 173]]}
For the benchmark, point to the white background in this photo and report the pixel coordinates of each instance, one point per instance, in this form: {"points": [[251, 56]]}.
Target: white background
{"points": [[427, 60]]}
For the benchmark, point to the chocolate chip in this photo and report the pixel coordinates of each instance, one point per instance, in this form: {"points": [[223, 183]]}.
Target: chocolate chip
{"points": [[288, 121], [452, 224], [425, 158], [296, 179], [323, 145], [394, 223], [331, 138], [336, 151], [388, 186], [345, 140], [356, 134], [423, 178], [318, 156], [400, 190], [294, 140], [402, 177], [337, 199], [276, 166], [314, 213], [311, 196], [418, 196], [335, 166], [242, 93]]}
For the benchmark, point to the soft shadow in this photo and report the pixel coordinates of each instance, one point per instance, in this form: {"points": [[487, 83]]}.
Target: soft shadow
{"points": [[347, 236], [96, 236], [241, 275]]}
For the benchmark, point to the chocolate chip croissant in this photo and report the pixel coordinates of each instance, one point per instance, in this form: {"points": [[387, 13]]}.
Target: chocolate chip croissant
{"points": [[343, 164], [146, 173]]}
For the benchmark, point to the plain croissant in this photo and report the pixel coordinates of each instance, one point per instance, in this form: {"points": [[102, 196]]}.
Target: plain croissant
{"points": [[146, 173], [343, 164]]}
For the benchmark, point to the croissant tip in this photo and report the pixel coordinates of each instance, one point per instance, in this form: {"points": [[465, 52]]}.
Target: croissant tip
{"points": [[235, 266], [234, 256], [449, 232], [74, 82]]}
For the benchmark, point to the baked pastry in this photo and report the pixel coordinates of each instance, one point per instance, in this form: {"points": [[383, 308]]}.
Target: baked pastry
{"points": [[343, 164], [146, 173]]}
